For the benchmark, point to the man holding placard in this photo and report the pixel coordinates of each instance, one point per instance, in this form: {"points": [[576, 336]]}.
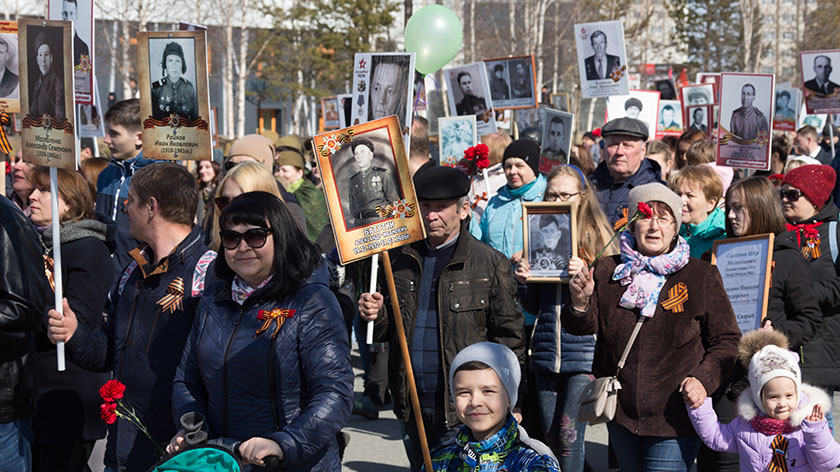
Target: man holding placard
{"points": [[454, 291]]}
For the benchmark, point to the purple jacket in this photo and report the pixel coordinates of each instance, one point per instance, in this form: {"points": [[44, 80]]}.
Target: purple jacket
{"points": [[810, 447]]}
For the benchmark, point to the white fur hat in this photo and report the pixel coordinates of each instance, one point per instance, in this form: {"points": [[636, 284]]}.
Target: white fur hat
{"points": [[771, 362]]}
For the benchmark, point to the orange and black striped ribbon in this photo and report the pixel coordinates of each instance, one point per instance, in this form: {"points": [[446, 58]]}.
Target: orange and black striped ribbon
{"points": [[49, 270], [277, 316], [194, 123], [172, 301], [621, 221], [779, 447], [40, 122], [677, 296], [5, 147]]}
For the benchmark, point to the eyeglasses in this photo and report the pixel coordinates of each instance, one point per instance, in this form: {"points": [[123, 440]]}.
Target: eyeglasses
{"points": [[790, 195], [254, 237], [563, 197], [222, 202], [660, 220]]}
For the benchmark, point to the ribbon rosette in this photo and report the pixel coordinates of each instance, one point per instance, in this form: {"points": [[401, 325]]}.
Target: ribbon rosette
{"points": [[761, 138], [84, 64], [332, 143], [277, 316], [402, 209], [617, 73]]}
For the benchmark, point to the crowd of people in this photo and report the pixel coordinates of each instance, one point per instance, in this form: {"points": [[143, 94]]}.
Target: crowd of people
{"points": [[215, 296]]}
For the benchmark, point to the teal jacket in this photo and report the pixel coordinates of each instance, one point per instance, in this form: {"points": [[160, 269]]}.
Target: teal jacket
{"points": [[701, 237], [507, 450], [501, 223]]}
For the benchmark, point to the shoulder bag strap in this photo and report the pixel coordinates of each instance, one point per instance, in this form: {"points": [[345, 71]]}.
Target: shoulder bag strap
{"points": [[832, 240], [629, 345]]}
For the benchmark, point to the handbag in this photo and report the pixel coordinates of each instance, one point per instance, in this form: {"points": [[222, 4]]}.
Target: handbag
{"points": [[598, 401]]}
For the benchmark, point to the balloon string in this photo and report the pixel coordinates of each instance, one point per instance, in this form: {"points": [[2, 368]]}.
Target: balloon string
{"points": [[414, 112]]}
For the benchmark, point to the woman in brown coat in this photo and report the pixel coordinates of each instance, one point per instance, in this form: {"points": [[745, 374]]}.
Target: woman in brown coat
{"points": [[687, 343]]}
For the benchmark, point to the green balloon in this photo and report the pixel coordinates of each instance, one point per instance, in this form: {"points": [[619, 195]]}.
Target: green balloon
{"points": [[434, 34]]}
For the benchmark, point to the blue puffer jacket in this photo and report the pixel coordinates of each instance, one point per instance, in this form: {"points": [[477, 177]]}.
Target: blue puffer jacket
{"points": [[296, 390], [576, 352], [501, 223], [613, 196]]}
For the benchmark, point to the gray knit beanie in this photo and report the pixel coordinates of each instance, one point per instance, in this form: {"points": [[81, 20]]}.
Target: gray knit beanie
{"points": [[500, 358], [656, 192]]}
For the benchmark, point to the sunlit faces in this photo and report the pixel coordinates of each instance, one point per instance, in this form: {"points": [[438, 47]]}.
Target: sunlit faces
{"points": [[384, 93], [481, 401], [624, 155], [122, 144], [655, 235], [40, 206], [44, 59], [796, 209], [738, 215], [518, 172], [564, 188], [206, 172], [290, 174], [252, 264], [19, 171], [442, 219], [696, 205], [779, 398]]}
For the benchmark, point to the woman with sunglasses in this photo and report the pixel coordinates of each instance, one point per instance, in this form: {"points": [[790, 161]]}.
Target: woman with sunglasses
{"points": [[812, 222], [562, 363], [268, 360], [752, 207]]}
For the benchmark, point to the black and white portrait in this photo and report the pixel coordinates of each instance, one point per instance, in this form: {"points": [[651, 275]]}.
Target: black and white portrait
{"points": [[820, 79], [9, 80], [366, 178], [549, 244], [512, 82], [457, 134], [383, 85], [468, 91], [602, 59], [345, 108], [600, 64], [499, 81], [670, 118], [642, 105], [702, 94], [173, 77], [746, 108], [556, 139], [698, 118], [80, 12], [46, 72], [747, 121], [560, 101], [667, 89]]}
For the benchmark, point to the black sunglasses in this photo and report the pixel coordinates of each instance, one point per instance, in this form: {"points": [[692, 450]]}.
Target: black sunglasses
{"points": [[791, 195], [254, 237]]}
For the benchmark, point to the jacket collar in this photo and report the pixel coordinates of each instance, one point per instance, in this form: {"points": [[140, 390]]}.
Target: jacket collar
{"points": [[647, 169], [176, 257], [712, 227], [461, 254], [808, 397], [534, 193]]}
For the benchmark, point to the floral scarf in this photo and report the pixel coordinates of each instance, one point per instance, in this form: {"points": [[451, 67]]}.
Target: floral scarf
{"points": [[646, 275], [240, 290]]}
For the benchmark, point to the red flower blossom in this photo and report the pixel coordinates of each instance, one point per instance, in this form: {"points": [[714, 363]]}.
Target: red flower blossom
{"points": [[475, 159], [645, 210], [108, 412], [112, 391]]}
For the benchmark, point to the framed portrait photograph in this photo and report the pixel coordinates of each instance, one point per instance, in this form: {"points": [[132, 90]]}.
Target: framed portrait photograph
{"points": [[788, 101], [174, 98], [512, 82], [745, 265], [525, 118], [602, 59], [816, 121], [457, 134], [820, 80], [9, 68], [370, 194], [667, 89], [80, 12], [697, 94], [712, 78], [46, 93], [329, 110], [345, 108], [558, 128], [743, 132], [639, 104], [468, 92], [550, 239], [670, 122], [701, 118], [560, 101], [383, 85]]}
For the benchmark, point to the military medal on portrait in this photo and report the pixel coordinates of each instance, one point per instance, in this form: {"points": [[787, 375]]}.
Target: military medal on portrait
{"points": [[743, 132]]}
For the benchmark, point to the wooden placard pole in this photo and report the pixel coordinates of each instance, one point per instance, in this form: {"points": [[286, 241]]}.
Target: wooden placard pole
{"points": [[409, 372], [56, 243]]}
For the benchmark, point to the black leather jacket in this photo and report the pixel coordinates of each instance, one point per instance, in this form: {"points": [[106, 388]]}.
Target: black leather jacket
{"points": [[23, 295]]}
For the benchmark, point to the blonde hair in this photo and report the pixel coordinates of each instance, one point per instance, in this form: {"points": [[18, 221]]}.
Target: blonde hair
{"points": [[250, 176], [592, 226], [496, 143], [703, 176]]}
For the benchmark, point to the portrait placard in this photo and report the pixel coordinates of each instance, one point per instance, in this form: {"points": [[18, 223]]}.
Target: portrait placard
{"points": [[46, 93], [820, 81], [745, 267], [560, 101], [329, 110], [743, 132], [602, 59], [512, 82], [383, 85], [710, 78], [91, 124], [80, 12], [639, 104], [529, 118], [694, 95], [457, 134], [9, 67], [370, 194], [815, 121], [787, 103], [174, 98], [700, 118], [556, 139], [667, 89], [345, 108], [550, 240], [670, 122], [468, 92]]}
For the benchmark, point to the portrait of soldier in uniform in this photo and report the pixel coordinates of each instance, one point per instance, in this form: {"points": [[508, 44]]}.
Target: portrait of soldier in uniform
{"points": [[555, 140], [173, 94], [633, 107], [470, 104], [499, 89], [522, 81], [748, 120], [821, 83], [600, 65], [389, 84], [549, 246], [370, 187], [46, 96], [9, 80], [698, 96]]}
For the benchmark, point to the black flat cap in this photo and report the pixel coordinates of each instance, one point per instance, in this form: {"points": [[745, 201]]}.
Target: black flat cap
{"points": [[441, 183], [626, 126]]}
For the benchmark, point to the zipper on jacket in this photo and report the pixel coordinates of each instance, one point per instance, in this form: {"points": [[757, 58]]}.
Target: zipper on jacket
{"points": [[225, 371]]}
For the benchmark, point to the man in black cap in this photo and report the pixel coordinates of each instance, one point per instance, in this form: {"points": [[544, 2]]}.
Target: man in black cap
{"points": [[623, 167], [372, 186], [453, 291]]}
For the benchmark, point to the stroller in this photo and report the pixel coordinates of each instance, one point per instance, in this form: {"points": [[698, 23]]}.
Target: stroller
{"points": [[203, 455]]}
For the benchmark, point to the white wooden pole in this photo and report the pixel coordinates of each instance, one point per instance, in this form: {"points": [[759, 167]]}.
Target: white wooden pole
{"points": [[374, 270], [56, 243]]}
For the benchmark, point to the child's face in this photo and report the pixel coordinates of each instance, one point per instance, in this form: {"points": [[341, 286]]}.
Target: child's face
{"points": [[778, 398], [482, 401]]}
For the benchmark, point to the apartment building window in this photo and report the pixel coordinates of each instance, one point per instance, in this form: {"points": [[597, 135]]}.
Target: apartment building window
{"points": [[787, 17], [787, 35], [770, 36]]}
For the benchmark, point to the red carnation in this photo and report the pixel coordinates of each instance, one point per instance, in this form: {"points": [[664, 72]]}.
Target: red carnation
{"points": [[108, 412], [112, 391], [483, 163], [645, 210]]}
